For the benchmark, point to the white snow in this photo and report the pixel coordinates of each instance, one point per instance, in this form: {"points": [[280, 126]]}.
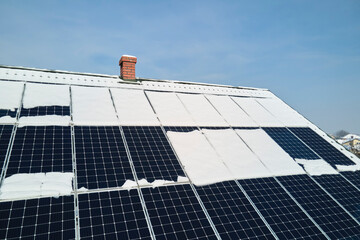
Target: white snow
{"points": [[201, 110], [48, 120], [7, 119], [169, 109], [239, 159], [93, 106], [231, 112], [258, 113], [46, 95], [348, 168], [316, 167], [270, 153], [10, 93], [283, 112], [199, 159], [133, 108], [26, 185], [156, 183]]}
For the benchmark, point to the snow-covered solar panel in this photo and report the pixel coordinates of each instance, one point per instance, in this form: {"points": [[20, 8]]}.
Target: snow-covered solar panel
{"points": [[170, 109], [10, 100], [133, 108], [230, 111]]}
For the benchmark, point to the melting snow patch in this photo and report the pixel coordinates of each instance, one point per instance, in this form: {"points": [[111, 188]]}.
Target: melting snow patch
{"points": [[46, 95], [316, 167], [348, 168], [157, 183], [26, 185], [48, 120]]}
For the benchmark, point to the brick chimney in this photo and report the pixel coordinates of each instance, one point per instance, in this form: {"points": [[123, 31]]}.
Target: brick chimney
{"points": [[127, 67]]}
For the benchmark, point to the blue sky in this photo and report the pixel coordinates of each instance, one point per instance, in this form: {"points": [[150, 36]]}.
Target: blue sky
{"points": [[306, 52]]}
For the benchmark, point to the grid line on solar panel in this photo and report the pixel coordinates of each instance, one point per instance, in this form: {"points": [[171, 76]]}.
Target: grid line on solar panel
{"points": [[290, 143], [44, 218], [231, 212], [41, 149], [112, 215], [5, 136], [319, 145], [101, 157], [175, 213], [281, 212], [45, 110], [345, 193], [321, 207], [151, 154], [8, 112]]}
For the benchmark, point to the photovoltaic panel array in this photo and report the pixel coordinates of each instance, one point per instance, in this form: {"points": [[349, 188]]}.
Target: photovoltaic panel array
{"points": [[112, 215], [43, 218], [344, 192], [152, 154], [5, 135], [41, 149], [282, 213], [101, 157], [336, 223], [324, 149], [45, 110], [175, 213], [231, 212], [353, 177], [290, 143]]}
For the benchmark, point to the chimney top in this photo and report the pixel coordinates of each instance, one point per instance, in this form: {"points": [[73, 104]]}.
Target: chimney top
{"points": [[127, 67]]}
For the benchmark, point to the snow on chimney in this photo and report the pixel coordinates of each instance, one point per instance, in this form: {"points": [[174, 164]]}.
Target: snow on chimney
{"points": [[127, 67]]}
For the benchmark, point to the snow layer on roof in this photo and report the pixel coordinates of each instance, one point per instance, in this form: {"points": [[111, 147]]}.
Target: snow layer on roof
{"points": [[10, 93], [133, 108], [169, 109], [239, 159], [93, 106], [270, 153], [348, 168], [316, 167], [199, 159], [283, 112], [48, 120], [46, 95], [230, 111], [258, 113], [201, 110], [28, 185]]}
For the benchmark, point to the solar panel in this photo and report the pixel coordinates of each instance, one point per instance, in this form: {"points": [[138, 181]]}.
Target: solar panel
{"points": [[45, 110], [44, 218], [101, 157], [231, 212], [281, 212], [8, 112], [342, 191], [180, 129], [175, 213], [353, 177], [321, 207], [152, 154], [324, 149], [41, 149], [5, 135], [290, 143], [112, 215]]}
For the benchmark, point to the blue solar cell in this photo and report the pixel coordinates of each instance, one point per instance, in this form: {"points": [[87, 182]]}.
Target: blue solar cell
{"points": [[281, 212], [353, 177], [231, 212], [345, 193], [152, 154], [181, 129], [324, 149], [45, 110], [321, 207], [8, 112], [41, 149], [101, 157], [5, 135], [175, 213], [290, 143], [112, 215], [44, 218]]}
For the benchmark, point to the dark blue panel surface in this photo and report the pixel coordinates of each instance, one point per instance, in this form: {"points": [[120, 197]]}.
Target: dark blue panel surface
{"points": [[8, 112], [324, 149], [44, 218], [45, 110], [290, 143], [5, 135], [282, 213], [181, 129], [353, 177], [101, 157], [232, 213], [112, 215], [175, 213], [41, 149], [321, 207], [345, 193], [152, 154]]}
